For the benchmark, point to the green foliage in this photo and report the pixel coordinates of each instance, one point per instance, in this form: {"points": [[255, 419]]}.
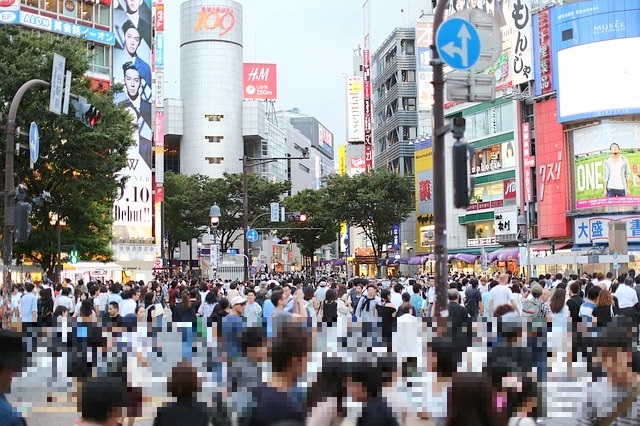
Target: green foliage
{"points": [[315, 203], [188, 199], [78, 165], [373, 202]]}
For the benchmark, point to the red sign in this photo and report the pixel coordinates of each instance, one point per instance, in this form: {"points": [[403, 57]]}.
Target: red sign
{"points": [[426, 191], [551, 159], [158, 135], [216, 18], [159, 16], [544, 31], [509, 189], [528, 163], [486, 205], [260, 82], [6, 3], [159, 198]]}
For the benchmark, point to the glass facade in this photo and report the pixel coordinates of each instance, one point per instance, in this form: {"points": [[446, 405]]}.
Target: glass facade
{"points": [[490, 121]]}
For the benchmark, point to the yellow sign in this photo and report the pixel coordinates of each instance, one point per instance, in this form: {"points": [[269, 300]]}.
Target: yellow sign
{"points": [[342, 159]]}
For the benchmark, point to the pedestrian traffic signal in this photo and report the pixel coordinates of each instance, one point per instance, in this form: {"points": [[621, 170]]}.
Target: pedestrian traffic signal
{"points": [[86, 113], [22, 214], [298, 217], [73, 256], [462, 182]]}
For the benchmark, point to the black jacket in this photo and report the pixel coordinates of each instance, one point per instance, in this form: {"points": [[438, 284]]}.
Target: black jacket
{"points": [[574, 307], [183, 412]]}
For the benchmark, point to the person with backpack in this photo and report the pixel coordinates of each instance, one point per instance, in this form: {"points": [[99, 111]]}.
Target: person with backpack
{"points": [[575, 301], [532, 307]]}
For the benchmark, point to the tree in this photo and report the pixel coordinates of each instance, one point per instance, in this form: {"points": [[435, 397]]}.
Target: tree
{"points": [[78, 166], [373, 202], [185, 210], [227, 193], [320, 217]]}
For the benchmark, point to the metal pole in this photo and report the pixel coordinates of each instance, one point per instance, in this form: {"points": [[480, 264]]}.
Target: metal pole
{"points": [[245, 216], [439, 197], [9, 192], [58, 250]]}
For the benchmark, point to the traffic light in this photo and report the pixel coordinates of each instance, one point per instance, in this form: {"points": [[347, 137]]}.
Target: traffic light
{"points": [[73, 256], [22, 226], [462, 182], [298, 217], [86, 113]]}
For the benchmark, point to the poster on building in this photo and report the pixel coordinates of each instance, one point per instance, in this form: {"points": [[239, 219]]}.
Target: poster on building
{"points": [[522, 41], [607, 165], [355, 109], [423, 160], [260, 82], [595, 229], [424, 39], [358, 166], [325, 139], [131, 67], [159, 15]]}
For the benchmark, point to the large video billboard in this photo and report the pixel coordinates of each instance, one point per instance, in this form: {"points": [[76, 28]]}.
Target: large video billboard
{"points": [[423, 160], [133, 211], [607, 165], [604, 30]]}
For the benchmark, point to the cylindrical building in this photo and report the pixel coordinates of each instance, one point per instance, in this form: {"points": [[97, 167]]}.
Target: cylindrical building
{"points": [[211, 87]]}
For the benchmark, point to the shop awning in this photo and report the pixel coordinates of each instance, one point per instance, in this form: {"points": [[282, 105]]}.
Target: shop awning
{"points": [[418, 260], [338, 262], [504, 254], [547, 246], [468, 258]]}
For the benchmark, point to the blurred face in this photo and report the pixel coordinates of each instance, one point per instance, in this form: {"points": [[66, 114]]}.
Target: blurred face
{"points": [[371, 292], [239, 308], [251, 297], [113, 312], [132, 83], [546, 295], [617, 364], [287, 292], [615, 150], [132, 41], [141, 313], [133, 6], [358, 289], [459, 5], [65, 314]]}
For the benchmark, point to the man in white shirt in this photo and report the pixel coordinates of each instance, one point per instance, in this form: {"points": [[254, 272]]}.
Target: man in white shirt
{"points": [[396, 294], [65, 300], [627, 299], [606, 281], [130, 302], [501, 295], [252, 310], [557, 281], [321, 292]]}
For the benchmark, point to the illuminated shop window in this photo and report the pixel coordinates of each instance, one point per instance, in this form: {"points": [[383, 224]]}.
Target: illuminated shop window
{"points": [[49, 5]]}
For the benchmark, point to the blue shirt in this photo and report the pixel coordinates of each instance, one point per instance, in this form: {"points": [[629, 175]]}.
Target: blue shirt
{"points": [[232, 328], [28, 305], [9, 416]]}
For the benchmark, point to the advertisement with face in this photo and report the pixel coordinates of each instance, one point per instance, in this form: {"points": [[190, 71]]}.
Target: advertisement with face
{"points": [[131, 59], [607, 165]]}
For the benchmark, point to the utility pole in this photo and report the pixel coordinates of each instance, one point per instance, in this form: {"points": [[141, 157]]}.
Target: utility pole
{"points": [[439, 196]]}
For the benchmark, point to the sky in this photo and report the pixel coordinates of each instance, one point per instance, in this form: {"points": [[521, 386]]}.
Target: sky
{"points": [[311, 41]]}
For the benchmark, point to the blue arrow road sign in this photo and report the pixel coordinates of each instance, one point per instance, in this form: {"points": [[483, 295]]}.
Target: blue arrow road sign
{"points": [[458, 43], [252, 235], [34, 142]]}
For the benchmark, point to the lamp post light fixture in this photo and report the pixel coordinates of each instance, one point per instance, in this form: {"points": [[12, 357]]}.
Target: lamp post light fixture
{"points": [[523, 234], [214, 217]]}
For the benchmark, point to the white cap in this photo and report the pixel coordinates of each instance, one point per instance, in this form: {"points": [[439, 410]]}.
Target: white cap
{"points": [[237, 301], [323, 283]]}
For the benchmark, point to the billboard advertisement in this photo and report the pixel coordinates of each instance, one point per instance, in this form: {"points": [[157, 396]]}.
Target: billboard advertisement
{"points": [[542, 63], [595, 229], [260, 82], [325, 139], [358, 166], [607, 165], [368, 129], [355, 109], [133, 217], [9, 11], [551, 172], [424, 39], [423, 159], [159, 15], [342, 160], [596, 29], [58, 26]]}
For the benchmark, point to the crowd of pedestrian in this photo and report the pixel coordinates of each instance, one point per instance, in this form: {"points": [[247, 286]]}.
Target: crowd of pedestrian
{"points": [[296, 349]]}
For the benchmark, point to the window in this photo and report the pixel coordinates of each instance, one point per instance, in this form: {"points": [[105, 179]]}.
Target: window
{"points": [[504, 118], [85, 11], [408, 47], [49, 6], [214, 117], [489, 192], [32, 3], [99, 58], [409, 104], [214, 160], [103, 15], [408, 76], [214, 139], [304, 168]]}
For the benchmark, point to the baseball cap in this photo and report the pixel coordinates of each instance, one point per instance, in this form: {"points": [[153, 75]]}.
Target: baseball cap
{"points": [[237, 301], [536, 289], [323, 283]]}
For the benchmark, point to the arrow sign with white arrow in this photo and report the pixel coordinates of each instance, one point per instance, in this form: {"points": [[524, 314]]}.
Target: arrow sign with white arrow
{"points": [[458, 43]]}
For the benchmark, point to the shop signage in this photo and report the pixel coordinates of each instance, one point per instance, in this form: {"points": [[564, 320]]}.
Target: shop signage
{"points": [[486, 205], [218, 18], [544, 35], [478, 242], [509, 189], [426, 190]]}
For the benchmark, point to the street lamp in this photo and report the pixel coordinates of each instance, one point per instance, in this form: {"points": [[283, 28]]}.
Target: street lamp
{"points": [[214, 217], [523, 234]]}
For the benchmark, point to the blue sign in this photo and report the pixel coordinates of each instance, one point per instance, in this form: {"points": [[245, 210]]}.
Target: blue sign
{"points": [[34, 142], [252, 235], [9, 16], [62, 27], [395, 231], [159, 50], [253, 270], [458, 43], [233, 252]]}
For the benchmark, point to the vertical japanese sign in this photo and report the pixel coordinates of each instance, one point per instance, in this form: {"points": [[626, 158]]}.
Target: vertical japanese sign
{"points": [[521, 44], [342, 160], [159, 15], [132, 211], [57, 84], [423, 160], [355, 109], [395, 232], [424, 40], [528, 162], [368, 133], [542, 44]]}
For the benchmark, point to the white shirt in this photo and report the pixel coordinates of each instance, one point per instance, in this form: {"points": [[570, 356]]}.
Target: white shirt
{"points": [[128, 307], [396, 299], [67, 302], [627, 297], [500, 295]]}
